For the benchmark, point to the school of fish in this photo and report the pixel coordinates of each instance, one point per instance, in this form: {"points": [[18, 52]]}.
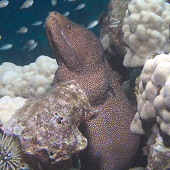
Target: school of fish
{"points": [[30, 44]]}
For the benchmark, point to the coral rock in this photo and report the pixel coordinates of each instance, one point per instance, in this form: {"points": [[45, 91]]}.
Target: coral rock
{"points": [[48, 126], [117, 11], [159, 155]]}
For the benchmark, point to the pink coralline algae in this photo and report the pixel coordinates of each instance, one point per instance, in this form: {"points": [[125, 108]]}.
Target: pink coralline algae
{"points": [[48, 126]]}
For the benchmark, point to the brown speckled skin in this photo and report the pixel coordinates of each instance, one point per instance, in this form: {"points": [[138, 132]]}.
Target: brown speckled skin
{"points": [[79, 54]]}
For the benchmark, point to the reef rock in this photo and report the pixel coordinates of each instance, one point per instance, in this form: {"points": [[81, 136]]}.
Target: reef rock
{"points": [[117, 11], [111, 25], [111, 36], [159, 154], [48, 125]]}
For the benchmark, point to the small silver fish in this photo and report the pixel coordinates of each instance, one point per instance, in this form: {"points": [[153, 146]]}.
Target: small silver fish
{"points": [[28, 43], [6, 47], [80, 6], [37, 23], [22, 30], [92, 24], [66, 14], [33, 46], [116, 22], [113, 26], [0, 36], [3, 3], [27, 4], [54, 2], [71, 0]]}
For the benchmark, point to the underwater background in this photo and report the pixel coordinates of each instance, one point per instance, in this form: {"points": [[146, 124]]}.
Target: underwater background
{"points": [[142, 36], [13, 18]]}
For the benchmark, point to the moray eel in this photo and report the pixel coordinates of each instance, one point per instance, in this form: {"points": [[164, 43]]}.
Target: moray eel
{"points": [[80, 57]]}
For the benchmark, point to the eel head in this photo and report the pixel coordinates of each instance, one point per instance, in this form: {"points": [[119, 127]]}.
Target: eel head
{"points": [[73, 45]]}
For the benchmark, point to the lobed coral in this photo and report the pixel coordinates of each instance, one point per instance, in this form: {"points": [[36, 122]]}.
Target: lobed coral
{"points": [[27, 81], [154, 96], [8, 106], [146, 30]]}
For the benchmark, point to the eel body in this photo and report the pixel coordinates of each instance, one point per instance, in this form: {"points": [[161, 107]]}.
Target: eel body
{"points": [[80, 57]]}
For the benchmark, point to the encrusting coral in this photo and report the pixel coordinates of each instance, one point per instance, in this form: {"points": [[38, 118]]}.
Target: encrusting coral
{"points": [[154, 96], [48, 125], [146, 30], [27, 81]]}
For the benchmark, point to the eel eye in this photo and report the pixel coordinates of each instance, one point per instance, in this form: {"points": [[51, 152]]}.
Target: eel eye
{"points": [[69, 26], [55, 13]]}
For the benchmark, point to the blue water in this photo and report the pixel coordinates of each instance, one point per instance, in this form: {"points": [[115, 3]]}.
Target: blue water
{"points": [[12, 18]]}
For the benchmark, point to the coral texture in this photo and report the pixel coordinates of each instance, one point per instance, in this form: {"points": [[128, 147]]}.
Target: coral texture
{"points": [[80, 57], [27, 81], [146, 30], [8, 106], [48, 126], [154, 96]]}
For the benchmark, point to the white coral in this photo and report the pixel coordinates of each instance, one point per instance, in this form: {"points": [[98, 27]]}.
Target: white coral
{"points": [[8, 106], [154, 95], [146, 30], [27, 81]]}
